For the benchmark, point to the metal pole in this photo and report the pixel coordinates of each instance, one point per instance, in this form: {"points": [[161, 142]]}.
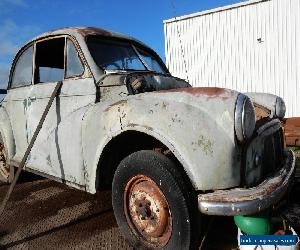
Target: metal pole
{"points": [[32, 141]]}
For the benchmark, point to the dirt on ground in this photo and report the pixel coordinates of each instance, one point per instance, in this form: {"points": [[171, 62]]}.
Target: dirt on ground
{"points": [[44, 214]]}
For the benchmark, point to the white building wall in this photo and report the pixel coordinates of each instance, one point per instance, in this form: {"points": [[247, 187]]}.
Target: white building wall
{"points": [[251, 46]]}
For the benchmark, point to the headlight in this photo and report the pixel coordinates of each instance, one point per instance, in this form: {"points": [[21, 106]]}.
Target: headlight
{"points": [[244, 118], [280, 108]]}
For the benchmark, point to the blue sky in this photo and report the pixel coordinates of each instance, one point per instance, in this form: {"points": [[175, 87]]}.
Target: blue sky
{"points": [[20, 20]]}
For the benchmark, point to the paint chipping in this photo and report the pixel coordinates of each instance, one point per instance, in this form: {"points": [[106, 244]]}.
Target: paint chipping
{"points": [[205, 144]]}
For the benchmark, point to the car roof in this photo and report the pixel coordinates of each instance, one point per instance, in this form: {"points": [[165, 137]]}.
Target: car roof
{"points": [[86, 31]]}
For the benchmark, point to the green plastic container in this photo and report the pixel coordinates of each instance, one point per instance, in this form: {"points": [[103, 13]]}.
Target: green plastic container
{"points": [[253, 225]]}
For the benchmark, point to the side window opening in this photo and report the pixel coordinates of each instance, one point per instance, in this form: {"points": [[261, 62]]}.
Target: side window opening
{"points": [[22, 74], [49, 60], [74, 65]]}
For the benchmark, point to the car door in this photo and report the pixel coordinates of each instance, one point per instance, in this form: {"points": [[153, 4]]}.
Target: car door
{"points": [[57, 151], [16, 100]]}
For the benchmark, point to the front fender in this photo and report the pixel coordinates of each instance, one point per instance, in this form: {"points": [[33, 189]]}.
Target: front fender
{"points": [[197, 128]]}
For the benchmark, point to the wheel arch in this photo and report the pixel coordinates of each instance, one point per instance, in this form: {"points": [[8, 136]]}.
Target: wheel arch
{"points": [[145, 138]]}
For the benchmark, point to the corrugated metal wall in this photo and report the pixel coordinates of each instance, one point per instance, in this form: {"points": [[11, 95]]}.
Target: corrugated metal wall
{"points": [[252, 46]]}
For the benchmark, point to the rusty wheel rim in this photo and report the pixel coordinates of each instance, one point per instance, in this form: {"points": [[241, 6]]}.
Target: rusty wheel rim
{"points": [[147, 211], [4, 169]]}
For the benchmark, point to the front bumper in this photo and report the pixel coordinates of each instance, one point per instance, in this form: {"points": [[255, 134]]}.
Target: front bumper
{"points": [[243, 201]]}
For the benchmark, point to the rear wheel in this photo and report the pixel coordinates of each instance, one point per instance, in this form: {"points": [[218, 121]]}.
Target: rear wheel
{"points": [[153, 202], [4, 168]]}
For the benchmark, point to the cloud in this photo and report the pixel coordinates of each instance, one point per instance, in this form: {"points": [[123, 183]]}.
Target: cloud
{"points": [[7, 48], [7, 45], [17, 3], [12, 36]]}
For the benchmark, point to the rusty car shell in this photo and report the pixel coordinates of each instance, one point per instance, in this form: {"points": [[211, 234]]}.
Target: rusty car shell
{"points": [[195, 124], [153, 114]]}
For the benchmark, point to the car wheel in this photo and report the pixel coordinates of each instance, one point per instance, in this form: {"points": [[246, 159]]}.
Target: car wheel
{"points": [[4, 168], [154, 205]]}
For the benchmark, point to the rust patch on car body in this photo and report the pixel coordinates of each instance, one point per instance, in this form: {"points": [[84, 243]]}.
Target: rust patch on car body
{"points": [[210, 92], [85, 31], [292, 131], [121, 102], [240, 194], [261, 111]]}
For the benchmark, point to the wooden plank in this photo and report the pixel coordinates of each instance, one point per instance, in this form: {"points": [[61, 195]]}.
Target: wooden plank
{"points": [[292, 131]]}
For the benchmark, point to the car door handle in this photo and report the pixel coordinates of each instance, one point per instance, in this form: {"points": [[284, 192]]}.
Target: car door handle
{"points": [[32, 98]]}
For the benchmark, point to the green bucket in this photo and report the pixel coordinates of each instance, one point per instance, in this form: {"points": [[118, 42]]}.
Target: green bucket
{"points": [[253, 225]]}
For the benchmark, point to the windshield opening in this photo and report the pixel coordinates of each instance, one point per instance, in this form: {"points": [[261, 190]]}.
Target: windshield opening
{"points": [[120, 55], [151, 61]]}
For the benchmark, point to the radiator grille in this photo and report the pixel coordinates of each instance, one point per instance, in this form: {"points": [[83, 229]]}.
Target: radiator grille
{"points": [[264, 155]]}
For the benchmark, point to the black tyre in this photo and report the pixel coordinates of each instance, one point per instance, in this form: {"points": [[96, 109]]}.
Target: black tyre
{"points": [[4, 168], [154, 204]]}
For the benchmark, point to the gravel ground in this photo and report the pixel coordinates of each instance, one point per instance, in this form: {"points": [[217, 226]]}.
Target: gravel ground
{"points": [[44, 214]]}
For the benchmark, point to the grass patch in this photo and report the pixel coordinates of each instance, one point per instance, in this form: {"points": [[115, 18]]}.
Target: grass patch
{"points": [[297, 153], [295, 149]]}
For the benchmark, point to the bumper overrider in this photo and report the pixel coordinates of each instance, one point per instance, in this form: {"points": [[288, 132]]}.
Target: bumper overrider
{"points": [[243, 201]]}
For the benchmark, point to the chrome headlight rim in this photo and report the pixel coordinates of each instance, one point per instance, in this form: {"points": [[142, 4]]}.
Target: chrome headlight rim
{"points": [[245, 118], [280, 108]]}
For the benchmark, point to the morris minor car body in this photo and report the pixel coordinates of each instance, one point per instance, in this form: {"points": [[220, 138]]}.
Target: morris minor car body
{"points": [[170, 152]]}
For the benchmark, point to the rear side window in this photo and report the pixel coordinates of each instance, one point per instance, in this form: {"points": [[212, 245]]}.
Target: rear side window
{"points": [[49, 61], [74, 65], [22, 74]]}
